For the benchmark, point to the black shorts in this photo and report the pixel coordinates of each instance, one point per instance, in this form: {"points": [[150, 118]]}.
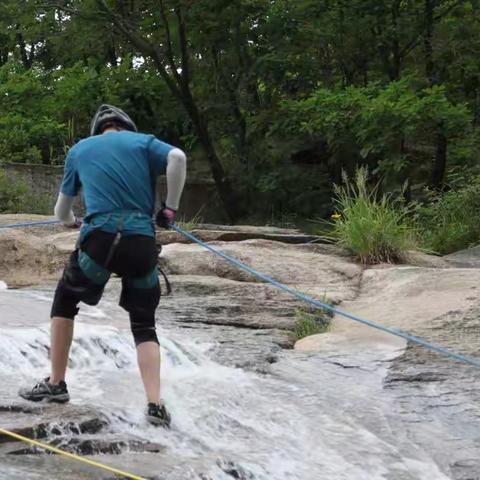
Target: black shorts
{"points": [[84, 278]]}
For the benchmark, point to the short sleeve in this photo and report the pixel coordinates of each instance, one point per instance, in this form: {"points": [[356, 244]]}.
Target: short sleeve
{"points": [[158, 152], [71, 182]]}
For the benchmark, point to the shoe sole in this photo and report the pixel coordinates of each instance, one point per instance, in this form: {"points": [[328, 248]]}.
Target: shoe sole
{"points": [[64, 398], [158, 422]]}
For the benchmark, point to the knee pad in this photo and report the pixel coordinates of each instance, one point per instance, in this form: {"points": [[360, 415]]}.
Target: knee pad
{"points": [[139, 302], [143, 329]]}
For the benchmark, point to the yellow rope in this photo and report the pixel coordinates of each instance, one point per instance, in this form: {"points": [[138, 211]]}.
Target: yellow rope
{"points": [[70, 455]]}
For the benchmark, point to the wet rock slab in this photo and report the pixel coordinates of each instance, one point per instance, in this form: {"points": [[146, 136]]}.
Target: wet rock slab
{"points": [[407, 298], [39, 422], [73, 429], [441, 305], [431, 409], [309, 268], [26, 259], [93, 447]]}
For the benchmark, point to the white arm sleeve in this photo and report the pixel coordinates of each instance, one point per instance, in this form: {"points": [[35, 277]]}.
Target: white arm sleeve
{"points": [[176, 174], [63, 209]]}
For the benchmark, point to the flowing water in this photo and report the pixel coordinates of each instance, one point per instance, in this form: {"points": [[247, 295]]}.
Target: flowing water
{"points": [[242, 407]]}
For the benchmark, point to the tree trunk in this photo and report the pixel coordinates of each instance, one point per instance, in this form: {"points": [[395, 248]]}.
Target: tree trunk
{"points": [[224, 186], [178, 81], [395, 44], [234, 106], [3, 56], [26, 59], [112, 54], [440, 162], [427, 41]]}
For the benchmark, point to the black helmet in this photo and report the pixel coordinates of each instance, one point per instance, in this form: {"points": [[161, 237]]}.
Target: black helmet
{"points": [[106, 114]]}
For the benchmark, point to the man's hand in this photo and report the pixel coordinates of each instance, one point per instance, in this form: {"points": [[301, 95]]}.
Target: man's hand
{"points": [[165, 217]]}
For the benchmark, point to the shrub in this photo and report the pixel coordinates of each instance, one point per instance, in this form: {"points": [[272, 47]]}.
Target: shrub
{"points": [[389, 127], [375, 228], [16, 197], [452, 221]]}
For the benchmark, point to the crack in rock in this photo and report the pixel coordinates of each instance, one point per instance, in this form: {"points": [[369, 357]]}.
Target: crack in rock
{"points": [[93, 447]]}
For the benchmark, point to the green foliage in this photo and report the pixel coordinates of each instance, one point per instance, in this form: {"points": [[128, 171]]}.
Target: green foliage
{"points": [[44, 112], [387, 127], [17, 197], [277, 96], [452, 221], [192, 223], [29, 131], [311, 322], [376, 228], [11, 194]]}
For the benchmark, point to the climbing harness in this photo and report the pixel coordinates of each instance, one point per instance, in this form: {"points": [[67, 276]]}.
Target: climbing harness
{"points": [[116, 241]]}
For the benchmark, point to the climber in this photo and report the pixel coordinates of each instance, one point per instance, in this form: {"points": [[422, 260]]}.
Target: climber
{"points": [[116, 169]]}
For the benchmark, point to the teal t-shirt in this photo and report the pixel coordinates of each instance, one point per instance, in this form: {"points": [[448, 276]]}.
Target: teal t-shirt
{"points": [[114, 171]]}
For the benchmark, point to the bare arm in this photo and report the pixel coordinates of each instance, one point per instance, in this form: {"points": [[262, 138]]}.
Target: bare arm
{"points": [[176, 174]]}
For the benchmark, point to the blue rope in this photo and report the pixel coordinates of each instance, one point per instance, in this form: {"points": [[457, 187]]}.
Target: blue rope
{"points": [[324, 306], [30, 224]]}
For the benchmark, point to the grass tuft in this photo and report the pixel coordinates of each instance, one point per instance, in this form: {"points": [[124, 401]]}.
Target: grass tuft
{"points": [[192, 224], [311, 321], [374, 228]]}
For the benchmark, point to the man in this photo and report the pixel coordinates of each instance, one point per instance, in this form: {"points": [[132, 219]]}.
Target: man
{"points": [[116, 168]]}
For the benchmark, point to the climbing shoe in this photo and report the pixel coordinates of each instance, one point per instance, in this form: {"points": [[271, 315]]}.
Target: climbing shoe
{"points": [[158, 415], [45, 391]]}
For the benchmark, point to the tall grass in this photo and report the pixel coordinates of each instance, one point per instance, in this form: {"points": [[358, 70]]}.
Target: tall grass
{"points": [[376, 228], [451, 221], [192, 223]]}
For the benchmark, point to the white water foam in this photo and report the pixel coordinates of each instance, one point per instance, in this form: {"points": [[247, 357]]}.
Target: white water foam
{"points": [[309, 420]]}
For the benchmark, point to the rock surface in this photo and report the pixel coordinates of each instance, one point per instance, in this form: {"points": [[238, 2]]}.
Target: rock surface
{"points": [[441, 305], [33, 254], [27, 259], [404, 297], [469, 258], [207, 290], [416, 403]]}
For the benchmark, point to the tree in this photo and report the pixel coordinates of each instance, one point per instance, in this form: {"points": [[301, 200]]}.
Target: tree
{"points": [[160, 36], [275, 97]]}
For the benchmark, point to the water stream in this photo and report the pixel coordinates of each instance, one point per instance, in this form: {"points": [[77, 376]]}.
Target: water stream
{"points": [[292, 416]]}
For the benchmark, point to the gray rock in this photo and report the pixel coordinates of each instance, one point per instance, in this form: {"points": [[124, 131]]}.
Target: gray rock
{"points": [[94, 447], [469, 258], [216, 234], [42, 422], [371, 393]]}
